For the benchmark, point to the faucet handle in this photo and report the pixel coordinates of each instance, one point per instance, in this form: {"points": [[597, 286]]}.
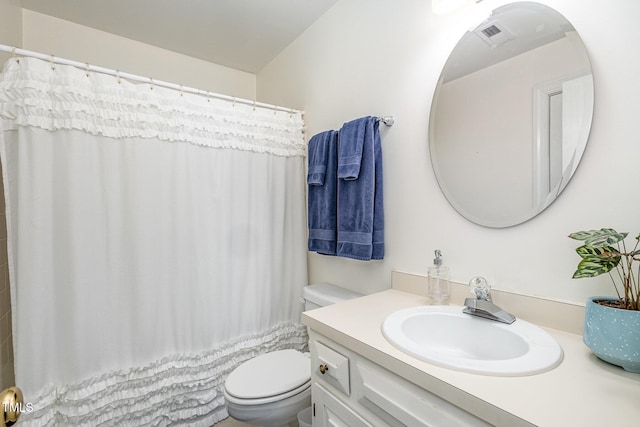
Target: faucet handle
{"points": [[480, 287]]}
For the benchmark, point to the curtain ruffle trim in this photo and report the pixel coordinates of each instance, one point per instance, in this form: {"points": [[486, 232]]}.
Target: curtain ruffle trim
{"points": [[181, 389], [34, 94]]}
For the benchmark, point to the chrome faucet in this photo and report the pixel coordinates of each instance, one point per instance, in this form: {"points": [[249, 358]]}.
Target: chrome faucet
{"points": [[482, 306]]}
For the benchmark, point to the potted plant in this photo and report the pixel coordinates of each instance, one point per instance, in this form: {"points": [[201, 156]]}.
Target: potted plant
{"points": [[612, 325]]}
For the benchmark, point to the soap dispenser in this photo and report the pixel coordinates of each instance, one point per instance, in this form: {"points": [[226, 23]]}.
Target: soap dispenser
{"points": [[438, 276]]}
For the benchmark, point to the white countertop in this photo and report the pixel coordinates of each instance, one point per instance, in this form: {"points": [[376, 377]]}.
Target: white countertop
{"points": [[581, 391]]}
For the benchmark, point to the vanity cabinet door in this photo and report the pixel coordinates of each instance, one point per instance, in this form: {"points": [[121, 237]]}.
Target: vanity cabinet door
{"points": [[331, 412], [400, 403]]}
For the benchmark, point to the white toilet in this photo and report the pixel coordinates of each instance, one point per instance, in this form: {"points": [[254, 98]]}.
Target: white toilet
{"points": [[270, 390]]}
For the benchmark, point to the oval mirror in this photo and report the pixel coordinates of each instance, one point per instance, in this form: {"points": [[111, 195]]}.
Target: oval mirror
{"points": [[511, 115]]}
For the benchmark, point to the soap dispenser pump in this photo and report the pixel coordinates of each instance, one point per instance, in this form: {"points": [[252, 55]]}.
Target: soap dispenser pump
{"points": [[438, 276]]}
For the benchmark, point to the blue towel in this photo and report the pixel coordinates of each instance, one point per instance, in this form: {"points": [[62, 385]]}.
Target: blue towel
{"points": [[322, 203], [360, 200]]}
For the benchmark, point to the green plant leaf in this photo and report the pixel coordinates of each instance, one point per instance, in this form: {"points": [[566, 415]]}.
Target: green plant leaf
{"points": [[583, 235], [605, 239], [604, 251], [602, 237], [595, 266]]}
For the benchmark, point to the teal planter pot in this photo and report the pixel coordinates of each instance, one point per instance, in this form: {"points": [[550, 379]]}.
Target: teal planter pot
{"points": [[613, 334]]}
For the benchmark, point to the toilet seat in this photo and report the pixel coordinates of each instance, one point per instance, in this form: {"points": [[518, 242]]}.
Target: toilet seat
{"points": [[270, 377], [270, 399]]}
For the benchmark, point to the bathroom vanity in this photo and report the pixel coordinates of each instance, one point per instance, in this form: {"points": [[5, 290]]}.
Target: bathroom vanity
{"points": [[348, 389], [369, 382]]}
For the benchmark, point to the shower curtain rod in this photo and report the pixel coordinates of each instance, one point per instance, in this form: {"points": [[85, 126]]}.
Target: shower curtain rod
{"points": [[140, 79]]}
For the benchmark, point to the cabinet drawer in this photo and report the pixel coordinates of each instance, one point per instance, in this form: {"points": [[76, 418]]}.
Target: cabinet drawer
{"points": [[332, 367]]}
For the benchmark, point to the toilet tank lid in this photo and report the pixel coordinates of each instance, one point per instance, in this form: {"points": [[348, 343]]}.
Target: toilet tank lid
{"points": [[324, 294]]}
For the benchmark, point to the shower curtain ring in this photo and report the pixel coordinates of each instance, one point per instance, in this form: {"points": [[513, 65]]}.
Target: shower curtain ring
{"points": [[86, 71], [51, 63]]}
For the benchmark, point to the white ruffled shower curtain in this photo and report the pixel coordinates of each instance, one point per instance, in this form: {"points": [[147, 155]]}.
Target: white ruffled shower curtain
{"points": [[156, 240]]}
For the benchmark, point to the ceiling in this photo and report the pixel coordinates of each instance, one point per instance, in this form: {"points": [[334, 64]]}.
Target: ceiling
{"points": [[241, 34], [522, 27]]}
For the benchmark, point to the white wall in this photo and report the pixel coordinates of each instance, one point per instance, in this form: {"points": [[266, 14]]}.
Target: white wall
{"points": [[10, 25], [49, 35], [374, 57]]}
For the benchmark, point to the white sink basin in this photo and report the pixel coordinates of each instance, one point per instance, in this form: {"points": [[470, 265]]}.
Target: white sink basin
{"points": [[445, 336]]}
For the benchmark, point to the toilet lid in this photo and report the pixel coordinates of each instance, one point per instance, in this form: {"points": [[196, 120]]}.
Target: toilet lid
{"points": [[269, 375]]}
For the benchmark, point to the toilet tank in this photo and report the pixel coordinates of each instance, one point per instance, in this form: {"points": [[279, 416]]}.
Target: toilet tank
{"points": [[322, 294]]}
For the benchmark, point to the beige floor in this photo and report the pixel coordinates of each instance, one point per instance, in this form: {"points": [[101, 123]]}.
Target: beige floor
{"points": [[230, 422]]}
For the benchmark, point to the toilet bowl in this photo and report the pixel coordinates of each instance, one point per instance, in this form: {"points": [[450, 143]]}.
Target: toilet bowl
{"points": [[269, 390]]}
